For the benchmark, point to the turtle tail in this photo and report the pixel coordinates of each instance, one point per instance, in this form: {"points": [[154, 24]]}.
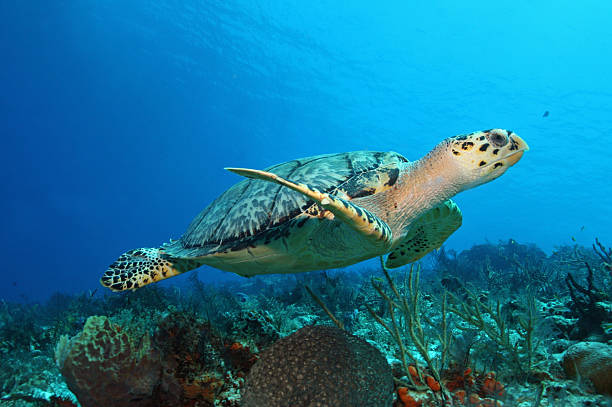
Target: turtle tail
{"points": [[140, 267]]}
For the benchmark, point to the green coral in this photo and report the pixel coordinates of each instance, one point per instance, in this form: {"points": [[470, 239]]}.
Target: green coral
{"points": [[409, 325], [491, 321]]}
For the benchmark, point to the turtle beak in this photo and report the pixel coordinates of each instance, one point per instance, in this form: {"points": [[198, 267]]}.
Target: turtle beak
{"points": [[517, 147]]}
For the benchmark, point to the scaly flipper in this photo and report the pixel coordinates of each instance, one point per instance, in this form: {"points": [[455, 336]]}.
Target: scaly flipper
{"points": [[426, 233], [140, 267], [358, 218]]}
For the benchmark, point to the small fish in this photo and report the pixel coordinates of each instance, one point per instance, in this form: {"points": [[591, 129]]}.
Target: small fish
{"points": [[242, 297], [573, 239], [546, 113], [582, 228]]}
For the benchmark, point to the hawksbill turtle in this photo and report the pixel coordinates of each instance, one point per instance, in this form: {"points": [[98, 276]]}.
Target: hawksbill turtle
{"points": [[328, 211]]}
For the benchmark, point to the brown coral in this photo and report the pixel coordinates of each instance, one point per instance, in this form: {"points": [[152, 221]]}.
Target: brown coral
{"points": [[590, 360], [240, 357], [319, 365], [203, 388]]}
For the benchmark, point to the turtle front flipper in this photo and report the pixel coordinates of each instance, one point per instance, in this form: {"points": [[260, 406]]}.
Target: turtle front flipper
{"points": [[426, 233], [140, 267], [359, 219]]}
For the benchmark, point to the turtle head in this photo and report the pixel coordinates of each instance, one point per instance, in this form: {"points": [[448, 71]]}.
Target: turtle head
{"points": [[482, 156]]}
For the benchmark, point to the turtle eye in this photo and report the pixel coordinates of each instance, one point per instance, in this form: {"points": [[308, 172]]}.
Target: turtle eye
{"points": [[497, 139]]}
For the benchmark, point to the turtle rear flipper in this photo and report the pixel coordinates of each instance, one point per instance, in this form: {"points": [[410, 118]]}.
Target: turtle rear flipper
{"points": [[359, 219], [143, 266], [426, 233]]}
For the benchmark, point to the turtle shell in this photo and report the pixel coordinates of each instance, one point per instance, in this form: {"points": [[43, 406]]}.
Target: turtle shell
{"points": [[252, 208]]}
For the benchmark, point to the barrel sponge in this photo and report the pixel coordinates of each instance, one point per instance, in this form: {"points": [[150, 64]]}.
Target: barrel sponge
{"points": [[319, 366], [104, 366]]}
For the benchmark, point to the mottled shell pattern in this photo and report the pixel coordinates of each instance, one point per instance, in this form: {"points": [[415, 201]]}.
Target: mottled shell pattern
{"points": [[253, 212]]}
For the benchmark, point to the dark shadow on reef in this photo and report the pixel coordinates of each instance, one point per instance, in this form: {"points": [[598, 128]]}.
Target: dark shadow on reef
{"points": [[496, 325]]}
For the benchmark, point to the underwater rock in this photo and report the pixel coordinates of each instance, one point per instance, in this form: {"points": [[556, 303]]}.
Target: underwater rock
{"points": [[319, 365], [590, 360], [104, 366], [33, 382]]}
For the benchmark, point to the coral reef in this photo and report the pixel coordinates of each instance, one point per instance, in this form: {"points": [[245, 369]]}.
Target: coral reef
{"points": [[506, 267], [319, 365], [590, 304], [185, 364], [498, 324], [408, 304], [497, 327], [35, 381]]}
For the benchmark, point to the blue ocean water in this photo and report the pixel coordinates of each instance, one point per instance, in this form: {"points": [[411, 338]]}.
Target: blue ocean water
{"points": [[117, 118]]}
